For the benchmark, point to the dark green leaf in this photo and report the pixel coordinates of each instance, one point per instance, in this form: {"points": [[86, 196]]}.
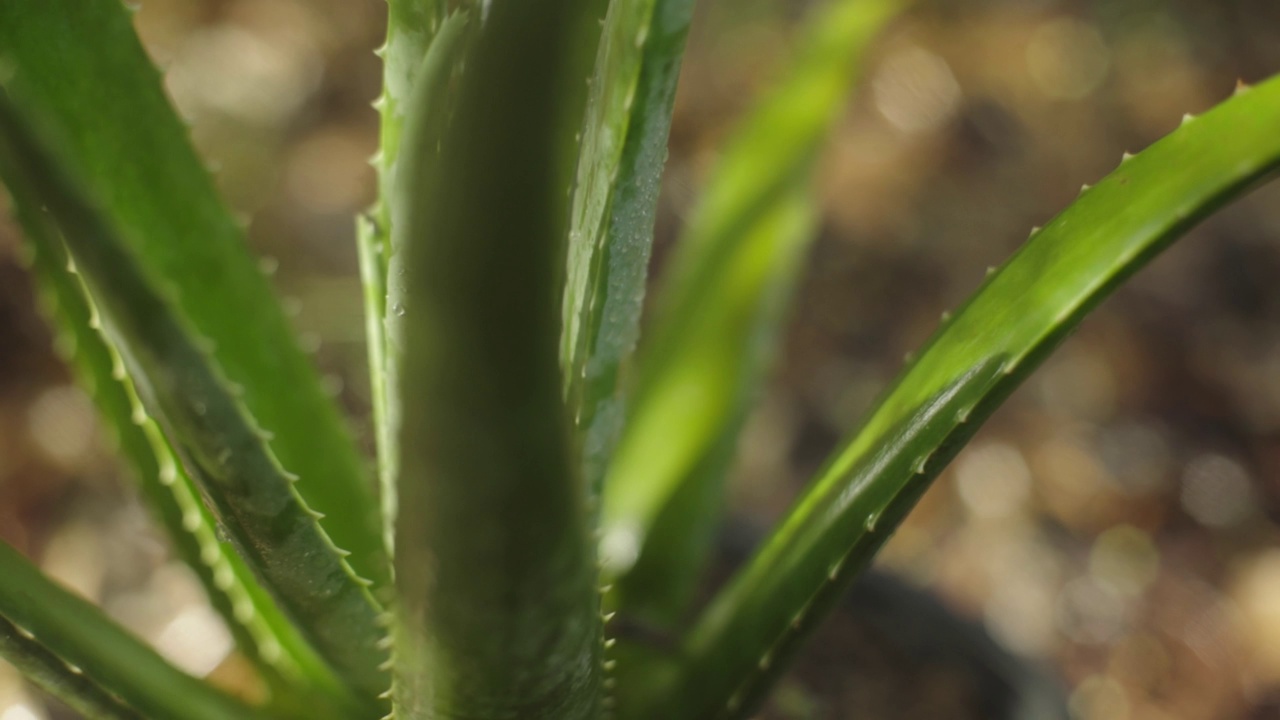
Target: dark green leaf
{"points": [[498, 613], [288, 663], [80, 62], [182, 385]]}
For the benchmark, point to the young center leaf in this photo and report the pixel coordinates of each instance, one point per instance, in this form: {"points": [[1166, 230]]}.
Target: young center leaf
{"points": [[498, 614]]}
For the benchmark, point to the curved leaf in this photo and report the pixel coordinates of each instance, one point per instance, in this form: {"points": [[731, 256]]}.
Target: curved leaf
{"points": [[288, 663], [81, 64], [742, 642], [80, 636], [182, 385]]}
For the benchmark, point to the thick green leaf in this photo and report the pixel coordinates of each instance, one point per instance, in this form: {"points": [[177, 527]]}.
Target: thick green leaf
{"points": [[718, 317], [623, 150], [55, 677], [183, 387], [1020, 314], [290, 666], [81, 63], [498, 613], [412, 29], [77, 634]]}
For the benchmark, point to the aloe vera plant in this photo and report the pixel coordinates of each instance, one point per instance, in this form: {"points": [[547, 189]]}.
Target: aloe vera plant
{"points": [[541, 468]]}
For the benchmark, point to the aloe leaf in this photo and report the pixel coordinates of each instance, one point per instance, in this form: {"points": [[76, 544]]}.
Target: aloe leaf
{"points": [[82, 64], [718, 317], [623, 151], [373, 282], [60, 680], [708, 389], [266, 636], [412, 26], [87, 642], [1019, 315], [183, 387], [498, 612]]}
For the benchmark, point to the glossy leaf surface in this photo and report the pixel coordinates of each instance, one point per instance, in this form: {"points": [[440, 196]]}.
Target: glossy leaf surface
{"points": [[262, 632], [742, 642], [182, 385], [81, 64]]}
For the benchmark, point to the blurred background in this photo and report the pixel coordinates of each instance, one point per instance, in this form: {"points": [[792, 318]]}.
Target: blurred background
{"points": [[1118, 521]]}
